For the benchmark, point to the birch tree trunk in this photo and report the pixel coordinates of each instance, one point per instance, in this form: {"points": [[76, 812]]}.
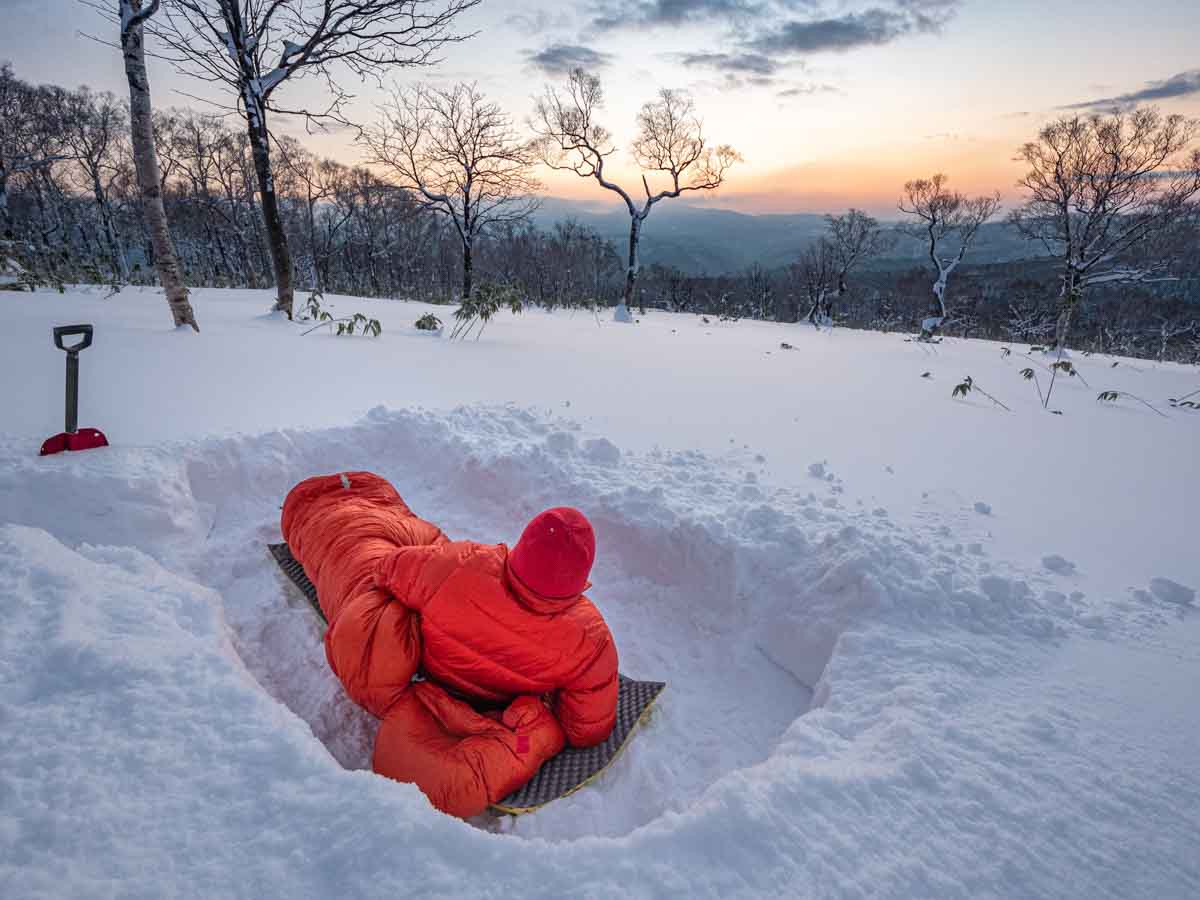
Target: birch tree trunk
{"points": [[468, 269], [5, 218], [145, 157], [116, 256], [281, 257], [1068, 302], [622, 313], [817, 310]]}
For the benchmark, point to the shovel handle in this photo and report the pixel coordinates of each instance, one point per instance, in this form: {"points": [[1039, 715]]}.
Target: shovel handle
{"points": [[63, 331], [72, 399]]}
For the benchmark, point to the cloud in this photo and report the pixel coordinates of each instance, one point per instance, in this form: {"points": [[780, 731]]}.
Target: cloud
{"points": [[743, 63], [929, 15], [617, 14], [799, 37], [731, 82], [538, 22], [811, 30], [806, 90], [1182, 85], [559, 59], [796, 29], [869, 27]]}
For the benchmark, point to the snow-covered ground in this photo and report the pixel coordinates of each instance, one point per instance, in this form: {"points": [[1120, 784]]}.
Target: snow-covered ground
{"points": [[917, 646]]}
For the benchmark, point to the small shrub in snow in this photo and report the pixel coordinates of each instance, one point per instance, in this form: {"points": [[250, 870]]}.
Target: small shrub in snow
{"points": [[479, 308], [429, 322], [1068, 368], [346, 325], [1029, 375], [360, 322], [967, 385], [1113, 396], [1184, 402], [1060, 365]]}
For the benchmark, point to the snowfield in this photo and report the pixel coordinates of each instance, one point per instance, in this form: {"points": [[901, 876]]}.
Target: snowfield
{"points": [[916, 646]]}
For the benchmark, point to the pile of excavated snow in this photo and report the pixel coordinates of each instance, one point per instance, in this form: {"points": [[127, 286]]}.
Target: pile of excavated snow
{"points": [[862, 701]]}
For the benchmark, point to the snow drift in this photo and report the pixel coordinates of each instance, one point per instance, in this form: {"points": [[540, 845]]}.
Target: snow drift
{"points": [[860, 704]]}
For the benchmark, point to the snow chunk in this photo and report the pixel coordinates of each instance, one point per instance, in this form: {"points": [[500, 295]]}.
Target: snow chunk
{"points": [[602, 452], [1172, 591], [818, 470], [1058, 565], [561, 443]]}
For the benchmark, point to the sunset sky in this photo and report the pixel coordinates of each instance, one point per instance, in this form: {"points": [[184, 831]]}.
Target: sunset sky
{"points": [[832, 104]]}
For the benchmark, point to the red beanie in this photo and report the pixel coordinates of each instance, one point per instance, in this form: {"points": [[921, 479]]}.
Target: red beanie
{"points": [[555, 554]]}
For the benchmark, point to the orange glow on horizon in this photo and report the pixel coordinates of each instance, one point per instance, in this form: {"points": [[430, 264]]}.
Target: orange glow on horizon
{"points": [[872, 179]]}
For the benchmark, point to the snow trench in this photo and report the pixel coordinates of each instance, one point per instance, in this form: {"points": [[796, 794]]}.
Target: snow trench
{"points": [[757, 605]]}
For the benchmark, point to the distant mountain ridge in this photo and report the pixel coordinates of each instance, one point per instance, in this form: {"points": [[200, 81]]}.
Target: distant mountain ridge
{"points": [[705, 241]]}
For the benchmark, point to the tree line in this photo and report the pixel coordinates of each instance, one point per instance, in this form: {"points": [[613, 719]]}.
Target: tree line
{"points": [[96, 188], [78, 218]]}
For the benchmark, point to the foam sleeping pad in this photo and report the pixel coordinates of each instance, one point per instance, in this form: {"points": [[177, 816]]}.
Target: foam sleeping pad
{"points": [[571, 769]]}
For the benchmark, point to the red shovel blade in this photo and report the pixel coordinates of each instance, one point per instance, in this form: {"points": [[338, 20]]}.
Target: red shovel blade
{"points": [[83, 439]]}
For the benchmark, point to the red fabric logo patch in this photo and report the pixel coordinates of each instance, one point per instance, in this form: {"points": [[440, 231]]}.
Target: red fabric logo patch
{"points": [[522, 743]]}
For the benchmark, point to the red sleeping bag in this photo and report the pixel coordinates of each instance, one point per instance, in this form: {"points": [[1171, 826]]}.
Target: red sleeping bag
{"points": [[517, 661]]}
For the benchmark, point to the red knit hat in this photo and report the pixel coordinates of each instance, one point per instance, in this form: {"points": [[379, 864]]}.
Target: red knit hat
{"points": [[555, 554]]}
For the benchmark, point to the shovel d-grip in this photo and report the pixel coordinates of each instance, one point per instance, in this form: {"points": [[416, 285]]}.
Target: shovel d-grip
{"points": [[73, 438]]}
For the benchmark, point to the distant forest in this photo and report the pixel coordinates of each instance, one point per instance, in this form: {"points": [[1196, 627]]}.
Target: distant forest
{"points": [[70, 212]]}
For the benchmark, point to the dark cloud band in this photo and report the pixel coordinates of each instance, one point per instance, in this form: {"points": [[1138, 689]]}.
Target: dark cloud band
{"points": [[742, 63], [1182, 85], [611, 16], [559, 59]]}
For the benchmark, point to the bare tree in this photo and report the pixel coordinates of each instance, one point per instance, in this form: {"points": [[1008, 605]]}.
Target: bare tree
{"points": [[854, 238], [669, 144], [942, 217], [15, 149], [1027, 320], [94, 125], [1100, 189], [31, 136], [317, 182], [254, 46], [1169, 328], [461, 155], [133, 15], [817, 274]]}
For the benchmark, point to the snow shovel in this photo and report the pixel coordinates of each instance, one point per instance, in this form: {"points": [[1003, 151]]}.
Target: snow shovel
{"points": [[74, 438]]}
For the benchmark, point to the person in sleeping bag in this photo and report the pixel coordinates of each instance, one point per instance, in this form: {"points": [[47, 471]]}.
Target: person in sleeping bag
{"points": [[514, 661]]}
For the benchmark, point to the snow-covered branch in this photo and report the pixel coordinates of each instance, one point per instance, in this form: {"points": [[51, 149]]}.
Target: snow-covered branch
{"points": [[940, 216], [1102, 189]]}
